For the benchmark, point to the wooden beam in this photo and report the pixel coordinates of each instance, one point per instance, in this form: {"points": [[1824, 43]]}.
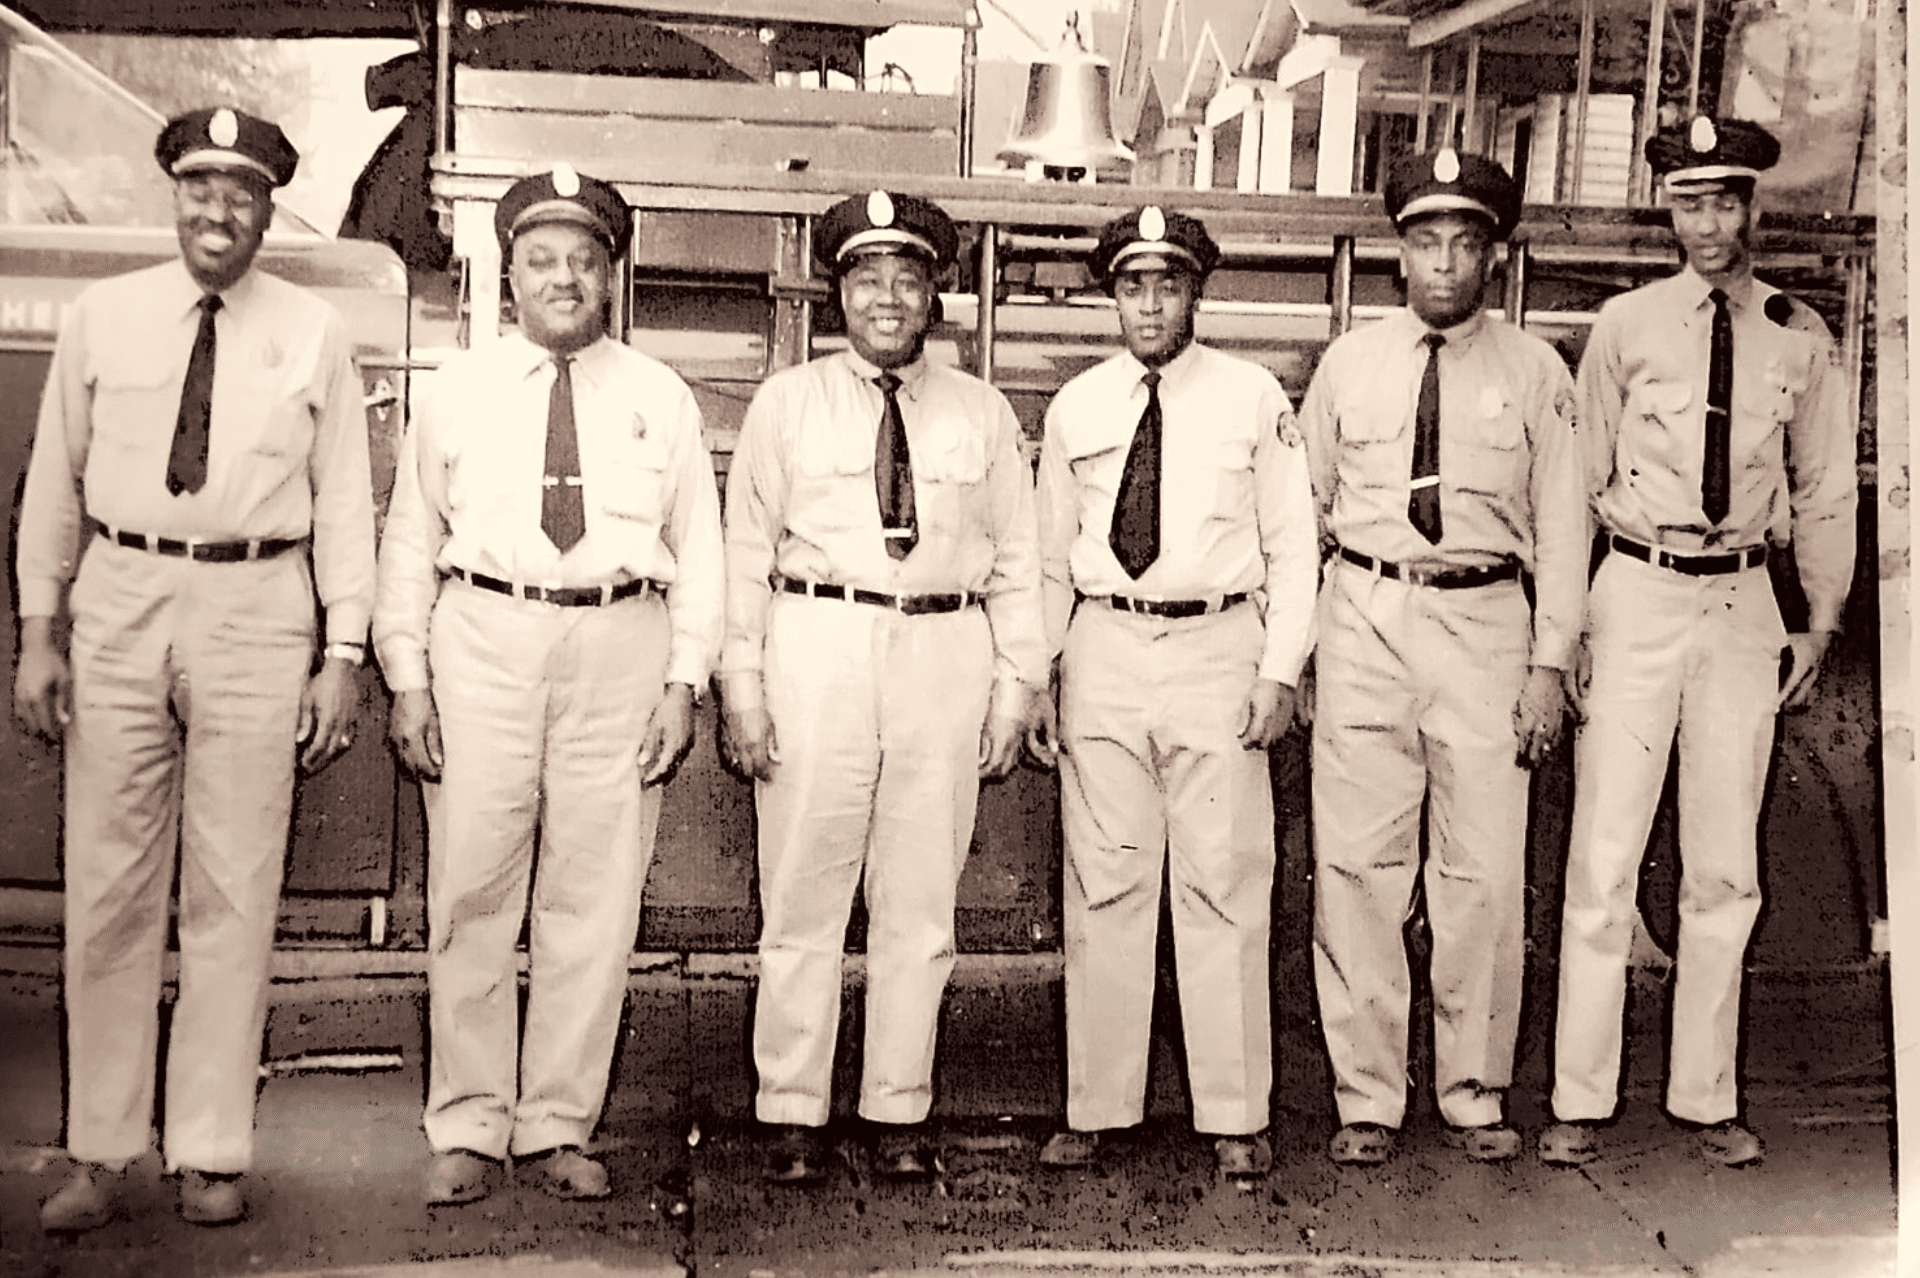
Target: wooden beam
{"points": [[1465, 17]]}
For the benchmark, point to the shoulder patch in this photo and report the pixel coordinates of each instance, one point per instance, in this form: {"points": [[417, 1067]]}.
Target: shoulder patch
{"points": [[1779, 309], [1289, 430], [1563, 402]]}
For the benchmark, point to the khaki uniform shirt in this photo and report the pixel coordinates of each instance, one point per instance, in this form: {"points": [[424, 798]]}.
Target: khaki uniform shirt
{"points": [[1643, 396], [1509, 469], [287, 450], [468, 495], [801, 505], [1236, 506]]}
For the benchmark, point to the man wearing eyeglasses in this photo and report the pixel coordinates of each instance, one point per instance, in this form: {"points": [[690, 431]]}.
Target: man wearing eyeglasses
{"points": [[201, 429]]}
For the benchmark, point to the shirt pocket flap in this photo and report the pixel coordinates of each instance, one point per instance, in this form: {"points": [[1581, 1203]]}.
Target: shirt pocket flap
{"points": [[1668, 401], [953, 457], [833, 447], [1362, 422]]}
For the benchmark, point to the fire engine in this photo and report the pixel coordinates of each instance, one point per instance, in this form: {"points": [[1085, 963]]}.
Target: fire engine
{"points": [[729, 125]]}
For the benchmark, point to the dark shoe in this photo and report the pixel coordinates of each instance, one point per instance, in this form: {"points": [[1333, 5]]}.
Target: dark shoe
{"points": [[1569, 1145], [461, 1176], [1487, 1143], [904, 1153], [796, 1156], [1243, 1160], [1070, 1149], [566, 1173], [1730, 1144], [89, 1199], [211, 1198], [1363, 1144]]}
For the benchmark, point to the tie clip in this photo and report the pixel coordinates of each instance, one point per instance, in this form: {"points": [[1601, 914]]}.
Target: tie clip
{"points": [[1426, 481]]}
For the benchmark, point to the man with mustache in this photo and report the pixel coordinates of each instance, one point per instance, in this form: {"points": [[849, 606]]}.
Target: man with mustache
{"points": [[1714, 431], [883, 646], [550, 600], [1443, 460], [201, 427], [1178, 554]]}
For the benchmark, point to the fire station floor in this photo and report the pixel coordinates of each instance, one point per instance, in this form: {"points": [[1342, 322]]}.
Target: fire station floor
{"points": [[341, 1159]]}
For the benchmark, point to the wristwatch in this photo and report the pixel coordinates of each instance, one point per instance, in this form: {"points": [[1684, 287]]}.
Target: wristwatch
{"points": [[354, 652]]}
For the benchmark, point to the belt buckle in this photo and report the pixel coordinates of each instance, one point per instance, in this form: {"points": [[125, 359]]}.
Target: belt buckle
{"points": [[1418, 574], [606, 593]]}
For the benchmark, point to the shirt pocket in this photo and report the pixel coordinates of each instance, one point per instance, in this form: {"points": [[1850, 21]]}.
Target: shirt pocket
{"points": [[633, 485], [833, 484], [138, 389], [1228, 464], [1491, 449], [1667, 405], [1366, 423]]}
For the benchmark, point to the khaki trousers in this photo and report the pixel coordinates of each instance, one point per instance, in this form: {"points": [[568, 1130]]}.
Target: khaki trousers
{"points": [[1155, 780], [542, 712], [878, 717], [1415, 702], [1700, 657], [186, 683]]}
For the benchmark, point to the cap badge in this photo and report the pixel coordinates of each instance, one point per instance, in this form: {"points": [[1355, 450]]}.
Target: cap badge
{"points": [[566, 183], [223, 129], [880, 209], [1153, 223], [1703, 136], [1446, 166]]}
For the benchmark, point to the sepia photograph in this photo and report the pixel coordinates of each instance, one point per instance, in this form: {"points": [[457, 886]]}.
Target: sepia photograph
{"points": [[957, 638]]}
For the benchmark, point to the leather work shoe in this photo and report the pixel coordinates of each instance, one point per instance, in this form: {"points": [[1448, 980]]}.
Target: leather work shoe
{"points": [[461, 1176], [89, 1199], [211, 1198], [1070, 1149], [1243, 1160], [1730, 1144], [1569, 1145], [1486, 1143], [796, 1155], [904, 1153], [1363, 1144], [566, 1172]]}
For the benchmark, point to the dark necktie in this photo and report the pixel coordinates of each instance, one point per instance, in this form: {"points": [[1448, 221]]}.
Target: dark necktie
{"points": [[1423, 506], [562, 512], [187, 461], [1135, 534], [893, 473], [1714, 484]]}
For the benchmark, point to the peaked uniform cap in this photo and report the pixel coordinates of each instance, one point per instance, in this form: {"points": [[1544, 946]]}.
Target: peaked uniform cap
{"points": [[1154, 232], [885, 222], [1450, 181], [563, 195], [224, 140], [1706, 149]]}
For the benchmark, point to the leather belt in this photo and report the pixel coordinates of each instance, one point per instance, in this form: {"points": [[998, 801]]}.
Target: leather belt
{"points": [[1435, 578], [1173, 609], [1692, 565], [208, 552], [564, 596], [910, 605]]}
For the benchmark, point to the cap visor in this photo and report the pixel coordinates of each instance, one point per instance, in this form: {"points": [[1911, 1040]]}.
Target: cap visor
{"points": [[1445, 203], [885, 239], [222, 161], [1153, 248], [547, 211]]}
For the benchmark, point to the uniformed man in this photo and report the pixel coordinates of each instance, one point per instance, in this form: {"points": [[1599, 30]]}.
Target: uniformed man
{"points": [[1444, 462], [1180, 562], [1714, 431], [883, 645], [201, 426], [551, 596]]}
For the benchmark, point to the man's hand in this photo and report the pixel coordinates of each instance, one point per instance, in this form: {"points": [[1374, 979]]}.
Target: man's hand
{"points": [[669, 734], [1269, 714], [1578, 681], [414, 730], [1043, 732], [329, 707], [1807, 653], [747, 740], [1000, 744], [43, 685], [1538, 715]]}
